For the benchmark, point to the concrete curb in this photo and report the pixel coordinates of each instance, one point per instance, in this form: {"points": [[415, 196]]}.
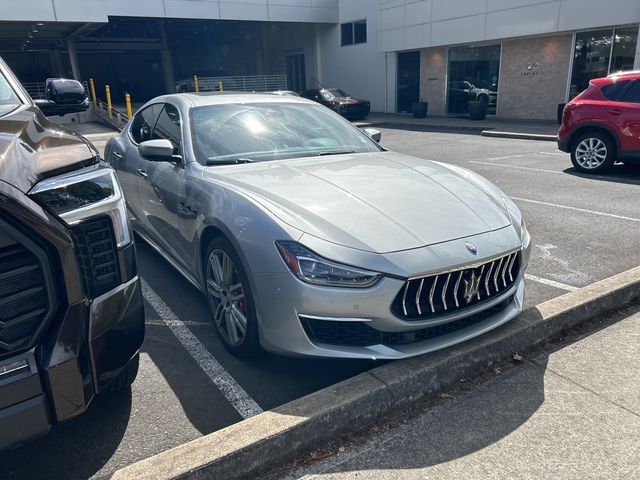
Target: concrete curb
{"points": [[520, 136], [279, 435], [419, 127]]}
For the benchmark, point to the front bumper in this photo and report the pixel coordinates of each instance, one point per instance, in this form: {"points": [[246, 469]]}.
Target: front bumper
{"points": [[286, 305], [58, 379], [562, 146]]}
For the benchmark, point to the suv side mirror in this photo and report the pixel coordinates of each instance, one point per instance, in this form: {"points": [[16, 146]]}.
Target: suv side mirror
{"points": [[373, 134], [63, 96], [157, 150]]}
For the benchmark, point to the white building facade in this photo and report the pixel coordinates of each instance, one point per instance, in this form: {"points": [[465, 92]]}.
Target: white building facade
{"points": [[524, 57]]}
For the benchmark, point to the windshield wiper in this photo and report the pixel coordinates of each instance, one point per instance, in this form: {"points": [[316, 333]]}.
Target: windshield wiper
{"points": [[237, 161], [342, 152]]}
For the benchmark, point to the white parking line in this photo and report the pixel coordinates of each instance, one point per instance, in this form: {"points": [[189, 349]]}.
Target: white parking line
{"points": [[554, 153], [234, 393], [576, 209], [507, 156], [515, 166], [551, 283]]}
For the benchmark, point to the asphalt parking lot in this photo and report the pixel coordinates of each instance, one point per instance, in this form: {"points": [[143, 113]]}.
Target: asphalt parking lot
{"points": [[583, 229]]}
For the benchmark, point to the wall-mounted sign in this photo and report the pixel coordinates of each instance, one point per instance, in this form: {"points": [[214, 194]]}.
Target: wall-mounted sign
{"points": [[532, 69]]}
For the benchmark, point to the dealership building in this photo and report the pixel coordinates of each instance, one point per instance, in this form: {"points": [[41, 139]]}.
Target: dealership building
{"points": [[523, 56]]}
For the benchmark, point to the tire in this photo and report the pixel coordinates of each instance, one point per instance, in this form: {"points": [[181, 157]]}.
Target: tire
{"points": [[126, 377], [593, 152], [230, 299]]}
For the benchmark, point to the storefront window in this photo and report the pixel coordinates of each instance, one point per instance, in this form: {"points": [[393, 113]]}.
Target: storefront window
{"points": [[624, 49], [600, 52], [473, 76]]}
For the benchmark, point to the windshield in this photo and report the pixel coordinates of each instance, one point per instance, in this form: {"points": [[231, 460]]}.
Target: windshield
{"points": [[272, 131], [8, 99], [334, 93]]}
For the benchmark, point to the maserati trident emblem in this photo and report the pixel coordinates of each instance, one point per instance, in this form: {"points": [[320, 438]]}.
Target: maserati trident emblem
{"points": [[471, 287], [472, 248]]}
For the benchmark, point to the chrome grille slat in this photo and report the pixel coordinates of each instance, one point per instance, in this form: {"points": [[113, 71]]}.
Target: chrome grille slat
{"points": [[495, 277], [433, 289], [418, 296], [404, 298], [513, 260], [486, 281], [444, 291], [455, 290], [504, 271]]}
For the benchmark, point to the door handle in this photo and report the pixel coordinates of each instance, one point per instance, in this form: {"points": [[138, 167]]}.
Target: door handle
{"points": [[142, 173], [615, 111], [117, 155]]}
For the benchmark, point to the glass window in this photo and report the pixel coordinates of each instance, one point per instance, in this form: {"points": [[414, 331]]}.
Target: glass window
{"points": [[168, 125], [624, 49], [590, 59], [353, 32], [347, 34], [632, 95], [272, 131], [143, 123], [473, 76], [8, 98], [360, 32], [613, 91]]}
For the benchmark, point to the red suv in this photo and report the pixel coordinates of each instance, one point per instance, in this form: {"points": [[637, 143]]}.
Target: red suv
{"points": [[602, 124]]}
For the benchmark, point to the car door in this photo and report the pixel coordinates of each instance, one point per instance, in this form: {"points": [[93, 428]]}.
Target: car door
{"points": [[124, 155], [161, 181], [627, 115]]}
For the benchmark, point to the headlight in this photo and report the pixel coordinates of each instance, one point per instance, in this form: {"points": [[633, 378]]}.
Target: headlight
{"points": [[83, 194], [311, 268]]}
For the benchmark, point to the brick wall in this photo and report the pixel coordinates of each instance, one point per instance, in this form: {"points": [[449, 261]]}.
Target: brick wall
{"points": [[533, 76]]}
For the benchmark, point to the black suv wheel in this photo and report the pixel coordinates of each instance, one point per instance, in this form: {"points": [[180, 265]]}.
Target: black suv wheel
{"points": [[593, 152]]}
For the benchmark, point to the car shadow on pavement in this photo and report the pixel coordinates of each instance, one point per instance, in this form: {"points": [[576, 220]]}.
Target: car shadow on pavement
{"points": [[74, 450], [620, 173]]}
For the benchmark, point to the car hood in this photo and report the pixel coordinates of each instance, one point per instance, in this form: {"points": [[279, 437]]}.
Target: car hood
{"points": [[33, 148], [380, 202]]}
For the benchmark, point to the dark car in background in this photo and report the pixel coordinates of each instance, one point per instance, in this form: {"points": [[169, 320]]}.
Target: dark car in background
{"points": [[340, 102], [602, 124], [71, 314]]}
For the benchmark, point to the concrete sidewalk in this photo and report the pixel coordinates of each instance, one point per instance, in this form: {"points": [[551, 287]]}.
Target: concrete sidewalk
{"points": [[571, 414], [537, 130]]}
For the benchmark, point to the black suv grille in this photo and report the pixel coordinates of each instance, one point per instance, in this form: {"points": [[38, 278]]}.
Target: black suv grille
{"points": [[359, 334], [97, 256], [430, 297], [24, 300]]}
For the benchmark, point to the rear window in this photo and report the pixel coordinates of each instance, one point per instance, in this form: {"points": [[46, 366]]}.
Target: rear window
{"points": [[614, 91]]}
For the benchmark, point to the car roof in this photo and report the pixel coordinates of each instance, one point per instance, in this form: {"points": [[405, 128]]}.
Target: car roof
{"points": [[190, 100], [629, 73]]}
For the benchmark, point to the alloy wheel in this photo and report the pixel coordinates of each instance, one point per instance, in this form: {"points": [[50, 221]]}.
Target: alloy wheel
{"points": [[227, 297], [591, 153]]}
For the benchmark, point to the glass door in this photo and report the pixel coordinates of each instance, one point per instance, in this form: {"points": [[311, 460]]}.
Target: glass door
{"points": [[473, 76]]}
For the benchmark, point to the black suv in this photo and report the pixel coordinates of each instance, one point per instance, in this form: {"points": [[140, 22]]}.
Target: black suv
{"points": [[71, 315]]}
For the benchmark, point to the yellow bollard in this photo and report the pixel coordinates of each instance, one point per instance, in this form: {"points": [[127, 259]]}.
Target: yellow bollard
{"points": [[220, 87], [92, 87], [195, 83], [127, 100], [109, 108]]}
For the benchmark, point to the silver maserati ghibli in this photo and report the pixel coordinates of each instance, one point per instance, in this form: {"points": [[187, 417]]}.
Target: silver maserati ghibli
{"points": [[308, 238]]}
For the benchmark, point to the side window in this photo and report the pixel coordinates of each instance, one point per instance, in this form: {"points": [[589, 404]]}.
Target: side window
{"points": [[632, 95], [168, 126], [143, 123], [614, 91]]}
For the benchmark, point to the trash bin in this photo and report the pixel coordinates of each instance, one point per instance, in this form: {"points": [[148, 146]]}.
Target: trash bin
{"points": [[477, 110], [419, 109]]}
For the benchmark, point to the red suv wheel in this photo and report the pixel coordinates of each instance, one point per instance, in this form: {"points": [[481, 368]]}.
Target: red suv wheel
{"points": [[593, 152]]}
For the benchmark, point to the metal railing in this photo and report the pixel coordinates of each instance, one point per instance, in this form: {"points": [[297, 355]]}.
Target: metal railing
{"points": [[252, 83], [117, 119]]}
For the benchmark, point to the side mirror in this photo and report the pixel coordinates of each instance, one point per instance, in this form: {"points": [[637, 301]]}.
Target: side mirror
{"points": [[158, 150], [373, 134], [63, 96]]}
